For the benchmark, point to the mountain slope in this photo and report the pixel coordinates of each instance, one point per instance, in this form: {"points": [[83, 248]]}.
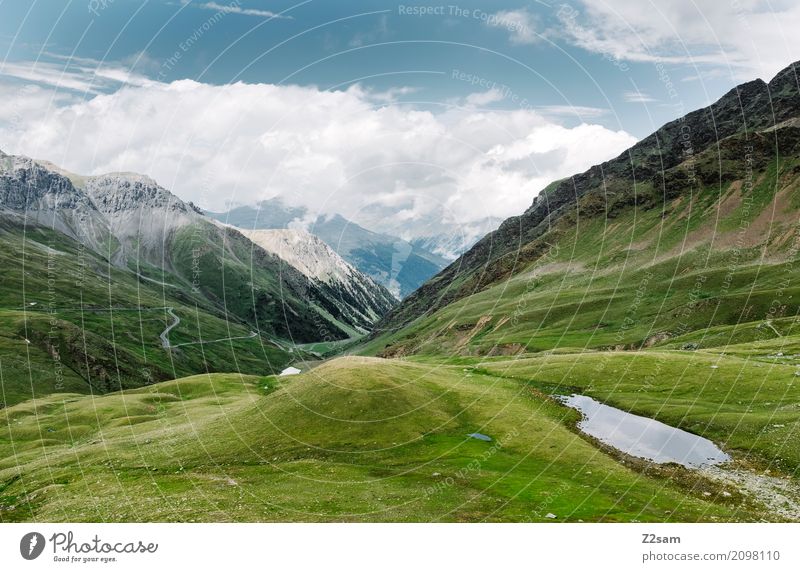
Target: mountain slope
{"points": [[356, 299], [158, 232], [72, 321], [390, 261], [668, 211], [112, 282], [141, 214]]}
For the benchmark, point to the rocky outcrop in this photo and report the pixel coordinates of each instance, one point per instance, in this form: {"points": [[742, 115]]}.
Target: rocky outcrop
{"points": [[141, 214]]}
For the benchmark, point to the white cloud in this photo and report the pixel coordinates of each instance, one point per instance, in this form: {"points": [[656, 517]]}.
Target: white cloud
{"points": [[748, 38], [520, 25], [69, 76], [385, 165], [236, 8], [580, 111], [483, 98], [637, 96]]}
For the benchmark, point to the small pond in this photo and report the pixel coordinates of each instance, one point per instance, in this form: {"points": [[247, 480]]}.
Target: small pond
{"points": [[643, 437]]}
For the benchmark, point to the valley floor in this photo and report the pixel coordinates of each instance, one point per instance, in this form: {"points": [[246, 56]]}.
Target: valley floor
{"points": [[368, 439]]}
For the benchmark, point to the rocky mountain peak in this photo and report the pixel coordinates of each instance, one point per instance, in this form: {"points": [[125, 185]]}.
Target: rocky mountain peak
{"points": [[346, 293], [121, 192], [27, 185], [306, 252], [786, 79]]}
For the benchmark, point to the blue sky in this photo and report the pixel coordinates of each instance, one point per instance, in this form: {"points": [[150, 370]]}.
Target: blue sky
{"points": [[623, 66], [332, 44]]}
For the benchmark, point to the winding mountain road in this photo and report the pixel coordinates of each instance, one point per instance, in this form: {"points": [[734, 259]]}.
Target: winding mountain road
{"points": [[163, 335], [201, 342], [165, 343]]}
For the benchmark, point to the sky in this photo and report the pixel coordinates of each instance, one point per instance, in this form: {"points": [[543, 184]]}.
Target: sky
{"points": [[401, 116]]}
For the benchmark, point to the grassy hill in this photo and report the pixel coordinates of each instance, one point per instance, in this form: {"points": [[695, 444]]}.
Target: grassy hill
{"points": [[357, 439]]}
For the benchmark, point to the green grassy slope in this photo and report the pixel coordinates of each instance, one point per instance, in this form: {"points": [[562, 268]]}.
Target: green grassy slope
{"points": [[637, 272], [721, 170], [252, 284], [69, 321], [356, 439]]}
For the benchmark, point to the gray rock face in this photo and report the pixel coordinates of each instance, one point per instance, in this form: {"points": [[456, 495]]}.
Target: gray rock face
{"points": [[117, 192], [33, 194], [141, 214], [353, 296]]}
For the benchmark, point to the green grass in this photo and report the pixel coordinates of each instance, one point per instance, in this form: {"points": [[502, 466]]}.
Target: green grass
{"points": [[69, 321], [749, 407], [356, 439], [625, 282]]}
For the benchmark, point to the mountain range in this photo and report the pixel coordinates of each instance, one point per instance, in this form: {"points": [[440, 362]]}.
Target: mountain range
{"points": [[399, 265], [106, 272]]}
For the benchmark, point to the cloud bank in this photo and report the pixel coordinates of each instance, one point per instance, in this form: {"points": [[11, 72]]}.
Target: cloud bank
{"points": [[354, 152], [747, 38]]}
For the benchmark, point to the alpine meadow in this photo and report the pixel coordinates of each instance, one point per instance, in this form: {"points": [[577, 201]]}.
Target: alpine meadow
{"points": [[346, 284]]}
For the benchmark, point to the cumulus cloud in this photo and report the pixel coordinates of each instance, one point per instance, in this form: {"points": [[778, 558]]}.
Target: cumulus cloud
{"points": [[749, 38], [483, 98], [384, 164], [520, 25]]}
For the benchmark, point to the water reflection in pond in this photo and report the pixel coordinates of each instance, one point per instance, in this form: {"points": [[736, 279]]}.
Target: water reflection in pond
{"points": [[643, 437]]}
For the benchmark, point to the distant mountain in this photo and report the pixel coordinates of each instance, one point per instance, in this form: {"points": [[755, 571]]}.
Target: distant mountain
{"points": [[395, 263], [353, 297], [451, 241]]}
